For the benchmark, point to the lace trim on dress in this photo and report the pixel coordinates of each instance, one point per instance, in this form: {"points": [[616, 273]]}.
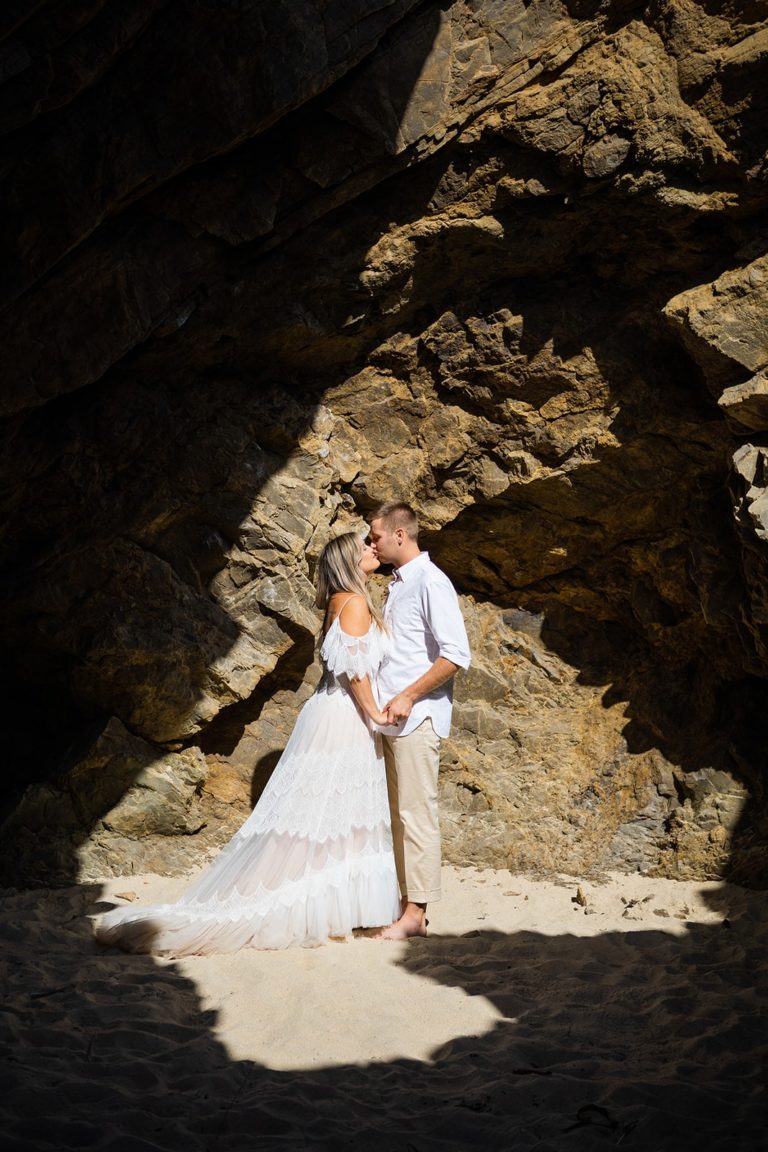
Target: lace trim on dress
{"points": [[355, 892], [325, 800], [353, 656], [265, 900]]}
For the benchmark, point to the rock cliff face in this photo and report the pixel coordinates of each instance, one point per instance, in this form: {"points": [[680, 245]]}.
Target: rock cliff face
{"points": [[266, 264]]}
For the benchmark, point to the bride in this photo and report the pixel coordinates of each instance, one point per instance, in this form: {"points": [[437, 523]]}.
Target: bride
{"points": [[314, 859]]}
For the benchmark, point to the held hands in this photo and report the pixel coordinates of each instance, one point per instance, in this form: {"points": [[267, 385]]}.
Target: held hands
{"points": [[393, 713], [398, 709]]}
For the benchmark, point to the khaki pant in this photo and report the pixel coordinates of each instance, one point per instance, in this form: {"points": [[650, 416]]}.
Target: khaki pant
{"points": [[412, 765]]}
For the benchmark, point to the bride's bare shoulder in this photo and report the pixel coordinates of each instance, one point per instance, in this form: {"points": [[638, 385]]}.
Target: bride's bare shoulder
{"points": [[354, 614]]}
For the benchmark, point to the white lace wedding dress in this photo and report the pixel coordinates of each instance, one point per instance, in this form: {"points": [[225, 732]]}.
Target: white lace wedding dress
{"points": [[314, 859]]}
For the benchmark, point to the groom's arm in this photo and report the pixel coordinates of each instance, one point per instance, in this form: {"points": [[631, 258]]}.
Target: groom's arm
{"points": [[355, 620], [442, 615], [400, 706]]}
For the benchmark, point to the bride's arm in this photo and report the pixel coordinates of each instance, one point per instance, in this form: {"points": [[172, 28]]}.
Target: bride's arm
{"points": [[355, 620], [364, 698]]}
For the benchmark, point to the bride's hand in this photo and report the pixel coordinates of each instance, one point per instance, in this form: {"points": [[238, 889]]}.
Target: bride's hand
{"points": [[380, 718]]}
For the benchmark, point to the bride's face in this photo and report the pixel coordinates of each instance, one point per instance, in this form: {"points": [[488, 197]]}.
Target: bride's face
{"points": [[368, 561]]}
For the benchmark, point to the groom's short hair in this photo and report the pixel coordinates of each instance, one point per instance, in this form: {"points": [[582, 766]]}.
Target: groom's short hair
{"points": [[397, 515]]}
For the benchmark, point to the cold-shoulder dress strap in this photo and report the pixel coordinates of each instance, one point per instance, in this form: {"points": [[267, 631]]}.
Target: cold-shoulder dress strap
{"points": [[349, 599], [348, 655], [351, 596], [338, 614]]}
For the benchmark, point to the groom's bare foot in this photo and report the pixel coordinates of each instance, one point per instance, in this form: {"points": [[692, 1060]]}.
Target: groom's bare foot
{"points": [[413, 922]]}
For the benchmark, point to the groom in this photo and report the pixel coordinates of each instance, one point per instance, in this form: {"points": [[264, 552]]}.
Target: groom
{"points": [[429, 645]]}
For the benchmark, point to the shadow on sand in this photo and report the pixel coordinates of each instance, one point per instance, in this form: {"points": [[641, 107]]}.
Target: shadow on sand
{"points": [[642, 1039]]}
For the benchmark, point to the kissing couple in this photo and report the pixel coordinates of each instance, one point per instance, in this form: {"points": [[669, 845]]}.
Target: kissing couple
{"points": [[346, 833]]}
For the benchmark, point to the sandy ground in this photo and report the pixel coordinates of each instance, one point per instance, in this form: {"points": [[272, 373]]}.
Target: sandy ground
{"points": [[526, 1021]]}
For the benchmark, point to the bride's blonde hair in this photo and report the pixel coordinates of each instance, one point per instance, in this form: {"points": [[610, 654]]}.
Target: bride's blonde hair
{"points": [[338, 570]]}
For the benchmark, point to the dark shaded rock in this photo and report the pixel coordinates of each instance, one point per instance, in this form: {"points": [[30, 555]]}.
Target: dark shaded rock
{"points": [[120, 790]]}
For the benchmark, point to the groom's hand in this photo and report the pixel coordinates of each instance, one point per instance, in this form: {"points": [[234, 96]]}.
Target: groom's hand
{"points": [[399, 708]]}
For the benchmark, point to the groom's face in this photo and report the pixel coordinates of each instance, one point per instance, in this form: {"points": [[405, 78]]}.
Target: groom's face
{"points": [[386, 543]]}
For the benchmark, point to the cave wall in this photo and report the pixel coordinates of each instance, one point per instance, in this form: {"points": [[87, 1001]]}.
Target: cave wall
{"points": [[267, 264]]}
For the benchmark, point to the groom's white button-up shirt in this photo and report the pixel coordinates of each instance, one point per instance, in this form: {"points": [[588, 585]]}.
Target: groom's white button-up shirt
{"points": [[425, 621]]}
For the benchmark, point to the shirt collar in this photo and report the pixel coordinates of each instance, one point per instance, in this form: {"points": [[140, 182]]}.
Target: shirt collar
{"points": [[406, 571]]}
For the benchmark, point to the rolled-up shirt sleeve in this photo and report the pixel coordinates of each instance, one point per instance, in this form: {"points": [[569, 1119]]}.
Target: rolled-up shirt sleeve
{"points": [[443, 617]]}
